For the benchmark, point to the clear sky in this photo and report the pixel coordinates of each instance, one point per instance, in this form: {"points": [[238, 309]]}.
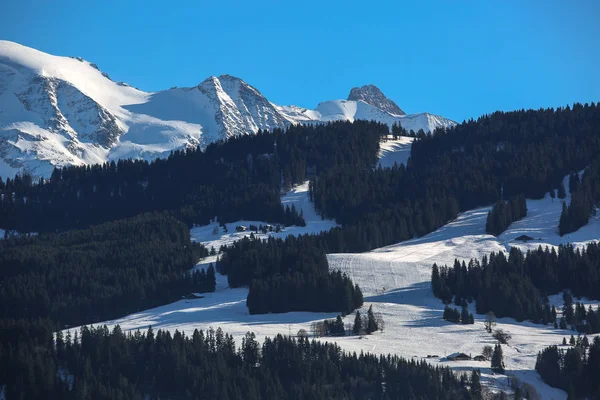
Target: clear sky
{"points": [[456, 58]]}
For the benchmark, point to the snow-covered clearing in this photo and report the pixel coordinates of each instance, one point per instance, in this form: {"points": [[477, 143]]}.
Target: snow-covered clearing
{"points": [[396, 281], [297, 196], [395, 151]]}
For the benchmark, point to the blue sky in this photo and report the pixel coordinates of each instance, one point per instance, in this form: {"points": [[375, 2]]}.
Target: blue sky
{"points": [[456, 58]]}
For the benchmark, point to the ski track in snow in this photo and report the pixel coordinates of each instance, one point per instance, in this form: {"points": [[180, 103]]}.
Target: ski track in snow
{"points": [[396, 280]]}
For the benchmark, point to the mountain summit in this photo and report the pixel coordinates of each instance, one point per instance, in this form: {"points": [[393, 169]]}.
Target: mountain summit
{"points": [[59, 111], [372, 95]]}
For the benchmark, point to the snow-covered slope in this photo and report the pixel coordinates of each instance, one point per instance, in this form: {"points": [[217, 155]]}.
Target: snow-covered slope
{"points": [[57, 111], [396, 282]]}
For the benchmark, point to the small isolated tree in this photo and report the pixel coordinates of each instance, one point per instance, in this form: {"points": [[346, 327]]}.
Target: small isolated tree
{"points": [[302, 334], [379, 320], [564, 342], [572, 340], [502, 336], [490, 321], [357, 327], [371, 322], [498, 359], [487, 352], [215, 230]]}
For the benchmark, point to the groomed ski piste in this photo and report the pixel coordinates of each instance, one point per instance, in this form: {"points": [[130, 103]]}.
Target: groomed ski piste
{"points": [[396, 281]]}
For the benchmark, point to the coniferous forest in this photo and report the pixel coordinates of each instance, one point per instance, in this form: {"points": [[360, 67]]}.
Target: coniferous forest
{"points": [[517, 286], [103, 272], [575, 370]]}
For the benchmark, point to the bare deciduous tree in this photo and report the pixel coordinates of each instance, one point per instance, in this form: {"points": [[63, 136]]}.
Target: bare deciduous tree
{"points": [[487, 352], [490, 321]]}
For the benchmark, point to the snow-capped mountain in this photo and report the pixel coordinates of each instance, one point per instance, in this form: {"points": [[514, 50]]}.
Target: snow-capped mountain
{"points": [[57, 111], [371, 94]]}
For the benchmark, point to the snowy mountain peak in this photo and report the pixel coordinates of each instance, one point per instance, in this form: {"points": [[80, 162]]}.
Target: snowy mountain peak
{"points": [[372, 95], [59, 111]]}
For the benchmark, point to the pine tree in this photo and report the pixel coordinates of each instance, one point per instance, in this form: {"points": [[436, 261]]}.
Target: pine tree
{"points": [[357, 327], [371, 322], [498, 359], [476, 389], [464, 316], [211, 278], [435, 281]]}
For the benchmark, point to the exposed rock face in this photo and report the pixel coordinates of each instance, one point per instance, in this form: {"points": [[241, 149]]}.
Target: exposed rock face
{"points": [[371, 94]]}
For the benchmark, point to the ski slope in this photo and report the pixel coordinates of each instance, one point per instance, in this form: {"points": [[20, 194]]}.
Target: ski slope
{"points": [[396, 281]]}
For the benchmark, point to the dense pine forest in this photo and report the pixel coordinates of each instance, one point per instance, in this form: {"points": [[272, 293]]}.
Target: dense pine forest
{"points": [[517, 286], [101, 364], [100, 273], [575, 370]]}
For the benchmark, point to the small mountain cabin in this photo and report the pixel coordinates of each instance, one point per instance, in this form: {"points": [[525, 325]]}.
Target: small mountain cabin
{"points": [[524, 238], [459, 357]]}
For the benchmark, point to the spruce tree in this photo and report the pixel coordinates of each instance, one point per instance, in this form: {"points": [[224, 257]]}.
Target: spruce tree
{"points": [[371, 322], [498, 359], [357, 327]]}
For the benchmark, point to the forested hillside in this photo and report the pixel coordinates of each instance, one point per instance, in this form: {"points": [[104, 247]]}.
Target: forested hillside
{"points": [[237, 179], [99, 273], [473, 164], [111, 266]]}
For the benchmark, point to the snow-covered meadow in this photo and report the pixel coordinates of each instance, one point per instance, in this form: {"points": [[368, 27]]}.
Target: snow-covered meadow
{"points": [[396, 281]]}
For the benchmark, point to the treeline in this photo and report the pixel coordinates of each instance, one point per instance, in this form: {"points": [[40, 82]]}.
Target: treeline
{"points": [[585, 197], [102, 364], [100, 273], [575, 370], [518, 286], [289, 274], [456, 169], [240, 178], [504, 213], [463, 316]]}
